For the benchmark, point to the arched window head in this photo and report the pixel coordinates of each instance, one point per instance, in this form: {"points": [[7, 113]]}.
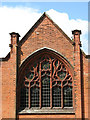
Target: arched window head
{"points": [[47, 83]]}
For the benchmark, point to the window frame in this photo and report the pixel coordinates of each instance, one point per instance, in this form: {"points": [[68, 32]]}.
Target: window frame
{"points": [[51, 106]]}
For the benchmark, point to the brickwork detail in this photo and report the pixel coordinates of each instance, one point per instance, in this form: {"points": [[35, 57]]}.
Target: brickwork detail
{"points": [[45, 34]]}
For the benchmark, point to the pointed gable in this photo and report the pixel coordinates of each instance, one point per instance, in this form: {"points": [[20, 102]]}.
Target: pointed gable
{"points": [[45, 33], [37, 24]]}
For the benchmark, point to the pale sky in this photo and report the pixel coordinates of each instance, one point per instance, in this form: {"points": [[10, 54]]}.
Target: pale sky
{"points": [[20, 17]]}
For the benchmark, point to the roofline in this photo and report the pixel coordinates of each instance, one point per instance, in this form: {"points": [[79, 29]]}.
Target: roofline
{"points": [[5, 58], [59, 28], [86, 56], [31, 30], [38, 22], [8, 56]]}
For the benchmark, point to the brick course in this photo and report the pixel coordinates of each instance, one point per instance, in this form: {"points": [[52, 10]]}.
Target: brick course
{"points": [[45, 34]]}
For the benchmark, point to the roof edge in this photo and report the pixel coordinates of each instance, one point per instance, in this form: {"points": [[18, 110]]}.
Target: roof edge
{"points": [[5, 58], [31, 29], [59, 28], [84, 54], [36, 24]]}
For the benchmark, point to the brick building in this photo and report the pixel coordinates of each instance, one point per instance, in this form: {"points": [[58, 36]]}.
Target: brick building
{"points": [[45, 75]]}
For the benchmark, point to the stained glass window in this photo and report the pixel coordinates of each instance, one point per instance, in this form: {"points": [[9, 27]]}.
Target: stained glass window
{"points": [[24, 98], [47, 83], [45, 91], [56, 96], [34, 97], [67, 91]]}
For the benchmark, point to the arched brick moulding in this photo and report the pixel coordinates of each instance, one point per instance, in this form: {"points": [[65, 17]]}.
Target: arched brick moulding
{"points": [[35, 56]]}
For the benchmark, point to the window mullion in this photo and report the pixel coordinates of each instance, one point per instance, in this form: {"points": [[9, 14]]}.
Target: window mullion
{"points": [[62, 96], [40, 88], [29, 98], [51, 80], [51, 84]]}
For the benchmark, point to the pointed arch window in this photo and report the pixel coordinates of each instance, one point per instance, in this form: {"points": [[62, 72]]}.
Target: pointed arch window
{"points": [[47, 83]]}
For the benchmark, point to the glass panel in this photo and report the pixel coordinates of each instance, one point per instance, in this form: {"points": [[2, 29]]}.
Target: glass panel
{"points": [[27, 83], [56, 63], [52, 69], [64, 68], [45, 91], [59, 67], [67, 91], [32, 83], [35, 78], [61, 74], [43, 73], [33, 74], [24, 98], [56, 91], [70, 82], [64, 82], [59, 82], [37, 83], [34, 97], [48, 73], [45, 65], [54, 82], [30, 75]]}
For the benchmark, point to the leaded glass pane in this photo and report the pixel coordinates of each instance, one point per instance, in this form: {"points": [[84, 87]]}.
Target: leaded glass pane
{"points": [[45, 91], [70, 82], [64, 68], [56, 96], [27, 83], [59, 82], [54, 83], [32, 83], [52, 69], [56, 63], [24, 98], [61, 74], [45, 65], [34, 97], [30, 75], [67, 91], [44, 71], [64, 82]]}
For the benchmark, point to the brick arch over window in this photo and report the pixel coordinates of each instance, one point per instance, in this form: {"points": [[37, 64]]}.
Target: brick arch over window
{"points": [[45, 81]]}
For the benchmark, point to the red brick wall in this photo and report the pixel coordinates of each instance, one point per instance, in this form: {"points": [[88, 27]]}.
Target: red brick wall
{"points": [[46, 116], [45, 35], [85, 62], [8, 89], [0, 90], [86, 86], [9, 83], [49, 36], [89, 89]]}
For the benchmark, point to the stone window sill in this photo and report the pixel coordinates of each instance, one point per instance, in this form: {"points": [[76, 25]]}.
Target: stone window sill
{"points": [[47, 111]]}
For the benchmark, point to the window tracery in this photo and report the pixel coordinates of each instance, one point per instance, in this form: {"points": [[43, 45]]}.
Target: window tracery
{"points": [[48, 84]]}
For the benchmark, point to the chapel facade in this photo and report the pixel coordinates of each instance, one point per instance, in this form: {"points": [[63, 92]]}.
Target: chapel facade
{"points": [[45, 75]]}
